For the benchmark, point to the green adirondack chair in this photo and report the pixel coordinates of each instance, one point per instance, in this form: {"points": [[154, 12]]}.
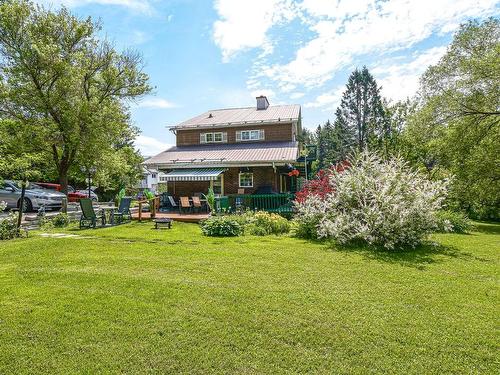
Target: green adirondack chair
{"points": [[123, 211], [89, 217]]}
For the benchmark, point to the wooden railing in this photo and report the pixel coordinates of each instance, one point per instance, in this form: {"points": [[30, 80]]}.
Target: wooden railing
{"points": [[280, 203], [154, 205]]}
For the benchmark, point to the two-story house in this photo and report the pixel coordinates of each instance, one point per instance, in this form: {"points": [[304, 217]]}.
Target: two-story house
{"points": [[234, 151]]}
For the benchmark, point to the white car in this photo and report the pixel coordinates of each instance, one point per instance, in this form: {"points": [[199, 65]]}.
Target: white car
{"points": [[34, 198], [93, 195]]}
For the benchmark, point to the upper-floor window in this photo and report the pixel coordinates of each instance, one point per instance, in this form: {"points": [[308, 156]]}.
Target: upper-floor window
{"points": [[250, 135], [216, 137]]}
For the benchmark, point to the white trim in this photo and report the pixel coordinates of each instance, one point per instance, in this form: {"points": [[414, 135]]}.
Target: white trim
{"points": [[260, 135], [204, 137], [239, 180]]}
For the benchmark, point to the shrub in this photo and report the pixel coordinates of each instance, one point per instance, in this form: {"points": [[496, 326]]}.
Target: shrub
{"points": [[61, 220], [8, 227], [384, 203], [221, 226], [3, 206], [263, 223], [452, 221]]}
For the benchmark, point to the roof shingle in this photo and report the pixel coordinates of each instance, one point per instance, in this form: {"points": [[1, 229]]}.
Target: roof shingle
{"points": [[249, 115], [213, 155]]}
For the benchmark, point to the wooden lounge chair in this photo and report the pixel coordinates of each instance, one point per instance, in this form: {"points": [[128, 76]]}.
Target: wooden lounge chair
{"points": [[89, 217], [172, 202], [197, 204], [123, 211], [185, 205]]}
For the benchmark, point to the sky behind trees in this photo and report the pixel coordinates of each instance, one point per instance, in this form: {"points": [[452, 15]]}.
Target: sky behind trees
{"points": [[213, 54]]}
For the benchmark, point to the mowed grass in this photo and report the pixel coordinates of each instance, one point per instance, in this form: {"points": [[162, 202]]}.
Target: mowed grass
{"points": [[134, 300]]}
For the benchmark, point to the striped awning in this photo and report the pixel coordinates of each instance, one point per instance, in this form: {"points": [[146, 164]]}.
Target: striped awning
{"points": [[198, 174]]}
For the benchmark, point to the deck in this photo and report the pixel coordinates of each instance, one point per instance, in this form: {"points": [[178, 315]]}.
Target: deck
{"points": [[187, 218]]}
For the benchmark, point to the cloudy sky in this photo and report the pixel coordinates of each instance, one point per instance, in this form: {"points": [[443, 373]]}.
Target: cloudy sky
{"points": [[203, 54]]}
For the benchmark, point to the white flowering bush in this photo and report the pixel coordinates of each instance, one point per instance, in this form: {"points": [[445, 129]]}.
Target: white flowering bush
{"points": [[383, 203], [3, 206]]}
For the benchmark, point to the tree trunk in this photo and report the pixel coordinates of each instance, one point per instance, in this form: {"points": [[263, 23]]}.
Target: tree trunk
{"points": [[63, 180], [21, 205]]}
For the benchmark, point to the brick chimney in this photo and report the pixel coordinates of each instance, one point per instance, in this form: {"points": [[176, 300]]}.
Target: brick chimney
{"points": [[262, 102]]}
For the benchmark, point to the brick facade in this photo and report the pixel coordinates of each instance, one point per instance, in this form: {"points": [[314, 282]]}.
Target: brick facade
{"points": [[262, 177], [273, 133]]}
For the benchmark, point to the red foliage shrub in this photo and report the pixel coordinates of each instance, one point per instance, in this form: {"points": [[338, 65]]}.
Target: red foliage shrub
{"points": [[320, 184]]}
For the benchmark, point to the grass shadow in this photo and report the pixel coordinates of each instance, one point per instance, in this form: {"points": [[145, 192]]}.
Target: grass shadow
{"points": [[419, 257], [486, 228]]}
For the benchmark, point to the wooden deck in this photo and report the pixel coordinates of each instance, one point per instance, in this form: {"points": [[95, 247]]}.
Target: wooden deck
{"points": [[187, 218]]}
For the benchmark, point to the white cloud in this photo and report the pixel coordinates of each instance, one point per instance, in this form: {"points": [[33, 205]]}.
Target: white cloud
{"points": [[341, 34], [270, 94], [149, 146], [400, 81], [156, 103], [297, 95], [330, 99], [357, 28], [244, 24], [142, 6]]}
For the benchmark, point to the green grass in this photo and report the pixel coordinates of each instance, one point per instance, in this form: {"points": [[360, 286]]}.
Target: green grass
{"points": [[132, 299]]}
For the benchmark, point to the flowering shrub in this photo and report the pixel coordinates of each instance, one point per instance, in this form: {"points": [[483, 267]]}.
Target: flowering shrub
{"points": [[263, 223], [221, 226], [451, 221], [382, 203], [3, 206], [320, 184], [8, 227]]}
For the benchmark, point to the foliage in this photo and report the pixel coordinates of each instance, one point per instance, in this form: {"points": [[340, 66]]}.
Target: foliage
{"points": [[119, 196], [452, 221], [210, 197], [65, 89], [456, 128], [221, 226], [148, 194], [8, 227], [61, 220], [384, 203], [320, 184], [3, 206], [264, 223], [361, 114]]}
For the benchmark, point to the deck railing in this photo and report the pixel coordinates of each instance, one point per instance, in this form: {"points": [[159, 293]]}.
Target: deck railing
{"points": [[279, 203]]}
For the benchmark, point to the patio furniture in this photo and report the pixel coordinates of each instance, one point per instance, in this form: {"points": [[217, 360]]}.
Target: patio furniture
{"points": [[197, 206], [172, 202], [163, 223], [89, 217], [109, 212], [185, 205], [123, 211]]}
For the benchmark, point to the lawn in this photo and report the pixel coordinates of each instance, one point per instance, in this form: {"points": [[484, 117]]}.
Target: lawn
{"points": [[132, 299]]}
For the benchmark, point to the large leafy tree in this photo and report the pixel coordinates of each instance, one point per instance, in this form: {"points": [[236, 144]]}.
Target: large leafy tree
{"points": [[361, 115], [456, 130], [65, 89]]}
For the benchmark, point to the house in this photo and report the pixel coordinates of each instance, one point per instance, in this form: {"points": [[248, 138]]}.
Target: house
{"points": [[235, 151], [150, 179]]}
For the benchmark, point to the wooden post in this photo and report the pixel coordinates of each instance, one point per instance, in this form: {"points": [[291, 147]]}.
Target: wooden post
{"points": [[140, 211], [152, 207], [64, 207]]}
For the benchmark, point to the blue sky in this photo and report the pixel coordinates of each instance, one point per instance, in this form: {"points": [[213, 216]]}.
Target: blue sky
{"points": [[203, 54]]}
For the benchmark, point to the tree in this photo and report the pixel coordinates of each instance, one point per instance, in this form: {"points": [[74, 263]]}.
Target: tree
{"points": [[456, 130], [361, 113], [64, 86]]}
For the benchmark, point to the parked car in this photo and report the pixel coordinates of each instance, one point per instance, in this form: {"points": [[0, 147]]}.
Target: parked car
{"points": [[34, 198], [73, 195], [85, 192]]}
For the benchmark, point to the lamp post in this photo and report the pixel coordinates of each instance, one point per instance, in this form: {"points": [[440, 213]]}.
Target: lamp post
{"points": [[89, 171]]}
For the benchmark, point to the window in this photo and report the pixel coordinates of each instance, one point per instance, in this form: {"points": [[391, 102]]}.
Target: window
{"points": [[217, 137], [250, 135], [246, 180]]}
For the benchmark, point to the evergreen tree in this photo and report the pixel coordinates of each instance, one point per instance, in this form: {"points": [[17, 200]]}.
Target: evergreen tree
{"points": [[361, 114]]}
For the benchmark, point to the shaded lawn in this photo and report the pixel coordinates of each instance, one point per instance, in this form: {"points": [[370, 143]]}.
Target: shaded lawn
{"points": [[132, 299]]}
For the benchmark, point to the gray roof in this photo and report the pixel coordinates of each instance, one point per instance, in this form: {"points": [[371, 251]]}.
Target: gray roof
{"points": [[242, 116], [226, 154]]}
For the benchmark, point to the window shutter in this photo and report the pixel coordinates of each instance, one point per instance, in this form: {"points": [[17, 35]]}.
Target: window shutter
{"points": [[238, 136], [224, 137], [261, 134], [203, 138]]}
